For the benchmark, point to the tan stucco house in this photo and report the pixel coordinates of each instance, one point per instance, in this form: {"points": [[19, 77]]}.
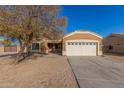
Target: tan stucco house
{"points": [[114, 43], [77, 43]]}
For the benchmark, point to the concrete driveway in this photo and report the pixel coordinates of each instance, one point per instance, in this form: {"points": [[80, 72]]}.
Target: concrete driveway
{"points": [[97, 72]]}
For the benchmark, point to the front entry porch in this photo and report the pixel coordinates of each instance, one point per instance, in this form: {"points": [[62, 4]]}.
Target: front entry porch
{"points": [[53, 46]]}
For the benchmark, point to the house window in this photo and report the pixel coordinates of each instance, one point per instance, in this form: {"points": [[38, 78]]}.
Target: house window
{"points": [[94, 43], [35, 46], [79, 43], [90, 43], [110, 47], [76, 43], [86, 43], [83, 43], [72, 43], [69, 43]]}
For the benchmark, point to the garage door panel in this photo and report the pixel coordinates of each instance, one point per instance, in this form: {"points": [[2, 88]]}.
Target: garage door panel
{"points": [[90, 50], [83, 49]]}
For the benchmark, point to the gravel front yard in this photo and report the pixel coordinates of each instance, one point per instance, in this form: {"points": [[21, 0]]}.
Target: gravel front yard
{"points": [[48, 71], [117, 57]]}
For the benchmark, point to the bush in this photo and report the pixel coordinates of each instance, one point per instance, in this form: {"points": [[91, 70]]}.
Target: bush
{"points": [[7, 42]]}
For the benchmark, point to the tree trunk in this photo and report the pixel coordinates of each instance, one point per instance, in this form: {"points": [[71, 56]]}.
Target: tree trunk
{"points": [[21, 54]]}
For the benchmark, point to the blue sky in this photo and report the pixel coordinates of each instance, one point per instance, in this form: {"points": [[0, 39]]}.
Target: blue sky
{"points": [[103, 20], [14, 41]]}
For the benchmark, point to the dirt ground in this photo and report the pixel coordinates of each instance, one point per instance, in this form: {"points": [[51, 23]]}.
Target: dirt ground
{"points": [[47, 71], [117, 57]]}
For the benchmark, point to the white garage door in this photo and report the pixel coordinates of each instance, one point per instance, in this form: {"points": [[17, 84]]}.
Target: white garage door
{"points": [[75, 48]]}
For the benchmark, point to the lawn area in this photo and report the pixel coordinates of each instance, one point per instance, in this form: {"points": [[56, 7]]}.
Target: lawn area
{"points": [[47, 71]]}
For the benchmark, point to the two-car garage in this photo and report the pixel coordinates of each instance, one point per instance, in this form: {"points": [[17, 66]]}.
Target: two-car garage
{"points": [[82, 43], [81, 48]]}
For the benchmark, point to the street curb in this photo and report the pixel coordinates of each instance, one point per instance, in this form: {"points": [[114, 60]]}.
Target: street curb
{"points": [[73, 72]]}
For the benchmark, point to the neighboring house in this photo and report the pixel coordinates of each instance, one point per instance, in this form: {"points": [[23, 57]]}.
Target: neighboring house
{"points": [[12, 48], [77, 43], [114, 43]]}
